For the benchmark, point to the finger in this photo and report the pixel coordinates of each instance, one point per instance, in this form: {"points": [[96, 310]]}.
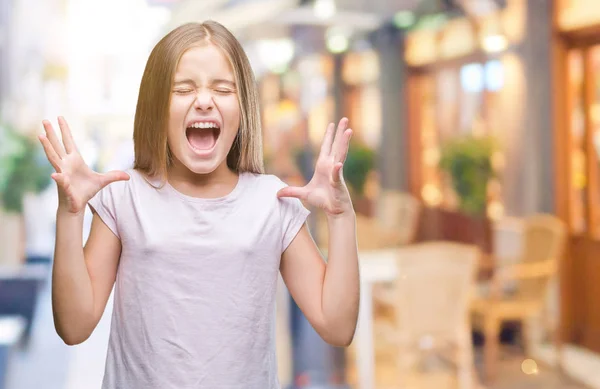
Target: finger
{"points": [[67, 137], [343, 124], [341, 156], [51, 135], [328, 140], [337, 172], [114, 176], [293, 191], [53, 158]]}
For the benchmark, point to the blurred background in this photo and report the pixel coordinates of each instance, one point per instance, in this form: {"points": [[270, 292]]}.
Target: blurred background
{"points": [[474, 171]]}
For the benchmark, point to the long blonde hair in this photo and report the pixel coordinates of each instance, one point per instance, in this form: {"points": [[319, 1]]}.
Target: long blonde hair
{"points": [[152, 154]]}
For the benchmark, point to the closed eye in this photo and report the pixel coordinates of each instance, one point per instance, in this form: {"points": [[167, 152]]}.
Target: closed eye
{"points": [[223, 91], [183, 91]]}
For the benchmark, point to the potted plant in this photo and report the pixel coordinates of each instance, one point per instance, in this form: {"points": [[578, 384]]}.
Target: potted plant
{"points": [[360, 162], [23, 169], [467, 161]]}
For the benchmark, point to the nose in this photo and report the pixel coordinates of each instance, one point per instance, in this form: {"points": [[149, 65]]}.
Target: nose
{"points": [[203, 101]]}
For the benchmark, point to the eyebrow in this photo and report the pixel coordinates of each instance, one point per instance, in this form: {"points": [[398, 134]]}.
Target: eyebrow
{"points": [[224, 81], [186, 81], [189, 81]]}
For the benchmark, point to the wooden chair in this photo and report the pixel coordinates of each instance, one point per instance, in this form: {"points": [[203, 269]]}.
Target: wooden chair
{"points": [[399, 212], [395, 224], [431, 302], [518, 290], [371, 235]]}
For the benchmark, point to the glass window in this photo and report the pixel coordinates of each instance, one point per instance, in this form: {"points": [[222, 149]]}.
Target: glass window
{"points": [[494, 76], [455, 101]]}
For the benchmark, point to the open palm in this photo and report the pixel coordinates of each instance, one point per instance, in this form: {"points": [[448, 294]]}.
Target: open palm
{"points": [[77, 183], [327, 189]]}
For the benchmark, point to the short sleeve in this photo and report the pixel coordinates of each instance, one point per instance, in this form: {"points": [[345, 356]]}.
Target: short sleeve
{"points": [[104, 204], [293, 215]]}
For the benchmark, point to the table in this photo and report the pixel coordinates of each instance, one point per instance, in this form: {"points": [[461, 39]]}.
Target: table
{"points": [[375, 266]]}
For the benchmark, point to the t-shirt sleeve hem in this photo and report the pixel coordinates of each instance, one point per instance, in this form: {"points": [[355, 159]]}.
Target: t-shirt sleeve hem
{"points": [[295, 226], [97, 207]]}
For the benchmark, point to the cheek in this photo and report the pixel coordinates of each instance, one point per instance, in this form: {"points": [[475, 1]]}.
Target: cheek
{"points": [[177, 109], [230, 109], [177, 112]]}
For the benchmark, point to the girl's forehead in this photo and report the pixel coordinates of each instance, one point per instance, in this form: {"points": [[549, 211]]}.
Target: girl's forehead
{"points": [[204, 60]]}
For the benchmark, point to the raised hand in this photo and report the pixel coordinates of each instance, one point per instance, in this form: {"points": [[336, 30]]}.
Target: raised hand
{"points": [[327, 189], [77, 183]]}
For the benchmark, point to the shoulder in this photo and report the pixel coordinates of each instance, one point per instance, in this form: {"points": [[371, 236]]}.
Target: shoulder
{"points": [[266, 187], [120, 191], [120, 197], [137, 181], [265, 182]]}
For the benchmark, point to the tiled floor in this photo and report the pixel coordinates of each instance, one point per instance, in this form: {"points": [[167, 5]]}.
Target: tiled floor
{"points": [[49, 364], [510, 376]]}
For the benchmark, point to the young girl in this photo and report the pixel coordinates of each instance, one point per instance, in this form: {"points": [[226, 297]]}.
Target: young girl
{"points": [[193, 237]]}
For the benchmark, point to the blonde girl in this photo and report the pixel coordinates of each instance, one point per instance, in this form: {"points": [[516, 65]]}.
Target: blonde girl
{"points": [[194, 236]]}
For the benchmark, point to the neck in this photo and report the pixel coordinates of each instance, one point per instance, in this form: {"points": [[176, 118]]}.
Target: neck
{"points": [[217, 183]]}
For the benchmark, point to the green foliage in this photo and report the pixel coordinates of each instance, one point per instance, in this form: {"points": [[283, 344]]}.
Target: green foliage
{"points": [[467, 160], [359, 163], [23, 168]]}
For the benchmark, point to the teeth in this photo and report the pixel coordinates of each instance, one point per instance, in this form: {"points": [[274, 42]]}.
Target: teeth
{"points": [[204, 125]]}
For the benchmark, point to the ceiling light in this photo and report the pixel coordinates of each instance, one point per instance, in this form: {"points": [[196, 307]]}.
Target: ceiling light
{"points": [[337, 39], [276, 54], [337, 44], [495, 43], [324, 9]]}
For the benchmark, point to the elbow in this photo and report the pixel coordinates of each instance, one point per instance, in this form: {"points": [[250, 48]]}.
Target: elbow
{"points": [[338, 338], [73, 335], [339, 341], [338, 332], [72, 339]]}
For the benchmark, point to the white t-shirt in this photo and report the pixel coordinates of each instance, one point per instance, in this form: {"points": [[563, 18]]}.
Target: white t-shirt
{"points": [[194, 302]]}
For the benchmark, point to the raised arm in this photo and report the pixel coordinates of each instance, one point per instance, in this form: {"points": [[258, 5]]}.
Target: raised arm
{"points": [[327, 294], [82, 278]]}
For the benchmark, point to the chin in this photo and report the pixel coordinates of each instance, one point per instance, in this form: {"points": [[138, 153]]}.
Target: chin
{"points": [[202, 167], [204, 161]]}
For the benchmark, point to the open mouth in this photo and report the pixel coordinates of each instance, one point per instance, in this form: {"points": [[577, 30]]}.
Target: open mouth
{"points": [[202, 136]]}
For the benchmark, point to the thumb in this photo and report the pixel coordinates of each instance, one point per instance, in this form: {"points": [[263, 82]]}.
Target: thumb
{"points": [[114, 175], [336, 174], [293, 191]]}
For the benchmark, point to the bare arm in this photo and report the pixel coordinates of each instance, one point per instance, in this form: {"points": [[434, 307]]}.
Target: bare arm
{"points": [[328, 294], [81, 278]]}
